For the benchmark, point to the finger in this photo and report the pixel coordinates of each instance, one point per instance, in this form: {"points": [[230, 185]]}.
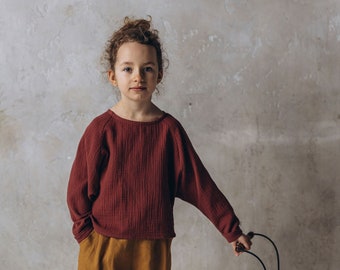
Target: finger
{"points": [[236, 253], [246, 246], [234, 244], [243, 241], [247, 243]]}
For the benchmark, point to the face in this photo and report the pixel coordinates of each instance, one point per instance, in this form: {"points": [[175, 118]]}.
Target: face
{"points": [[136, 72]]}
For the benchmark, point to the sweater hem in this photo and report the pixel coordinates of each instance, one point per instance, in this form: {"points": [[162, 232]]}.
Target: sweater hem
{"points": [[144, 236]]}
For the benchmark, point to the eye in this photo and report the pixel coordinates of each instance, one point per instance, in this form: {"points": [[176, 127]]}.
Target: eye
{"points": [[148, 69], [127, 69]]}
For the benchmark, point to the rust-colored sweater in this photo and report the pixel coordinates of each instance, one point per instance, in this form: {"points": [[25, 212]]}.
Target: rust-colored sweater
{"points": [[126, 175]]}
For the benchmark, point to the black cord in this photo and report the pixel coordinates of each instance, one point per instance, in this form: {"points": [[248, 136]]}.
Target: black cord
{"points": [[276, 250], [257, 257], [241, 248]]}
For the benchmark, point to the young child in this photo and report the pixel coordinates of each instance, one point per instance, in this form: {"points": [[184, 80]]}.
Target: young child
{"points": [[131, 163]]}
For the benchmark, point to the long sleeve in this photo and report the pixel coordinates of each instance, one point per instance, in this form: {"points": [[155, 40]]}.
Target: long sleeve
{"points": [[83, 184], [195, 186], [126, 175]]}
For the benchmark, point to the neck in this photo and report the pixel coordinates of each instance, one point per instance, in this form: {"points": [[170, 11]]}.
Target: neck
{"points": [[137, 111]]}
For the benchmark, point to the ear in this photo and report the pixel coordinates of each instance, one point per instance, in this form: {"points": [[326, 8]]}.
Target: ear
{"points": [[112, 78]]}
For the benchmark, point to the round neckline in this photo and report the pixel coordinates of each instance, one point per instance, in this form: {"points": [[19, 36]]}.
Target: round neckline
{"points": [[121, 119]]}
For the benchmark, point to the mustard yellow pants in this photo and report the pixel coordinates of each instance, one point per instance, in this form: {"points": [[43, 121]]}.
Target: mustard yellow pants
{"points": [[98, 252]]}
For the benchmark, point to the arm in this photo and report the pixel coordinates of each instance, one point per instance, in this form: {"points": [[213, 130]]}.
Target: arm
{"points": [[195, 186], [83, 183]]}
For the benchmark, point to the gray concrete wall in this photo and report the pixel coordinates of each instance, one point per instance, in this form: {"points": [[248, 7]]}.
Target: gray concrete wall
{"points": [[255, 83]]}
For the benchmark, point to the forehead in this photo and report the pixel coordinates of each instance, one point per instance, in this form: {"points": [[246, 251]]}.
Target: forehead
{"points": [[136, 52]]}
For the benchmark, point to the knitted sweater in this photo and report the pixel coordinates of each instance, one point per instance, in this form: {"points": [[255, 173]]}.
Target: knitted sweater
{"points": [[126, 175]]}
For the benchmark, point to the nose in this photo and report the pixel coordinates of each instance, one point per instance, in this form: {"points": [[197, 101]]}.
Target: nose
{"points": [[139, 76]]}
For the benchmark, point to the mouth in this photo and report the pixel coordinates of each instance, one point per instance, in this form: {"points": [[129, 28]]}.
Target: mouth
{"points": [[138, 88]]}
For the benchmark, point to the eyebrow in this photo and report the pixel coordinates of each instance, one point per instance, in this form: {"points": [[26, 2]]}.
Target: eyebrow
{"points": [[131, 63]]}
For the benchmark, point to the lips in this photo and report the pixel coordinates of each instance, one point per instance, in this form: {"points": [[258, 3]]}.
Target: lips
{"points": [[138, 88]]}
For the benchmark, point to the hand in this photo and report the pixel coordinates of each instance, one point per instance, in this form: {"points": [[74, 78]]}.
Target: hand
{"points": [[243, 240]]}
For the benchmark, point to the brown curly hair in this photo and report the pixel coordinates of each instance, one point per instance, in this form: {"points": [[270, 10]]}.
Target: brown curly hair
{"points": [[133, 30]]}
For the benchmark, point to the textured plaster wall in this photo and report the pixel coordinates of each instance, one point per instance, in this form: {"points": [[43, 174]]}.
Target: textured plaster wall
{"points": [[255, 83]]}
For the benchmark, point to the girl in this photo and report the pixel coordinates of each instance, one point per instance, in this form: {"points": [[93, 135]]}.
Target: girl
{"points": [[131, 163]]}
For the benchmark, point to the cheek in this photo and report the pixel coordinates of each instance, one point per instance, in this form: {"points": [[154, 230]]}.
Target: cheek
{"points": [[153, 75], [120, 76]]}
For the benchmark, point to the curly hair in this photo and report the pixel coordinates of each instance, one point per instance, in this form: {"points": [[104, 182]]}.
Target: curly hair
{"points": [[134, 31]]}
